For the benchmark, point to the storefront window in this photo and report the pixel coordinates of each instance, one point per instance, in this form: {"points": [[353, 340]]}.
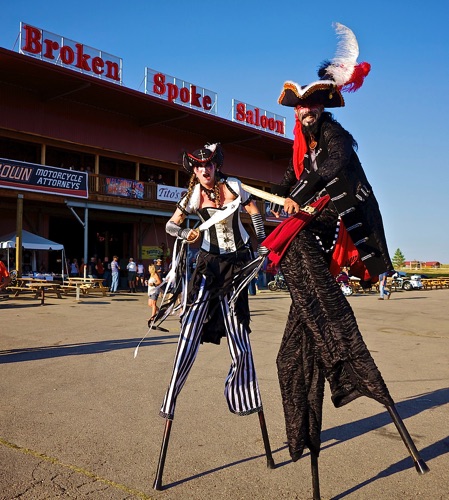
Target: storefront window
{"points": [[73, 160], [117, 168], [20, 150], [183, 179], [158, 175]]}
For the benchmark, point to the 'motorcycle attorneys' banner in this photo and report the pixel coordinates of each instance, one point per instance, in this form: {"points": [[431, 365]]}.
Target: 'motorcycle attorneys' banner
{"points": [[42, 179]]}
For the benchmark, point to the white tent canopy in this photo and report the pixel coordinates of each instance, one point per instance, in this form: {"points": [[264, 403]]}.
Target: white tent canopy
{"points": [[31, 241]]}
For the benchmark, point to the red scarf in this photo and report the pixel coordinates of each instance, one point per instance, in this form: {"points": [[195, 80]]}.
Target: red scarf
{"points": [[299, 149]]}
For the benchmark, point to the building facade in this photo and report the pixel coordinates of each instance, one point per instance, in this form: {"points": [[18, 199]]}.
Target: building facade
{"points": [[127, 144]]}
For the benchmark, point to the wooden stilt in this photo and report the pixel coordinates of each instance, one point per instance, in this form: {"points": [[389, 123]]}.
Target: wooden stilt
{"points": [[315, 476], [266, 441], [160, 467], [420, 465]]}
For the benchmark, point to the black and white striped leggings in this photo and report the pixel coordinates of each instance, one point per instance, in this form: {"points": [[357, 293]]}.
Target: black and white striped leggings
{"points": [[241, 386]]}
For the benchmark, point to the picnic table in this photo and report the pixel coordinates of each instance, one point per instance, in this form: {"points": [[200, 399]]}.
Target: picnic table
{"points": [[84, 286], [37, 287], [435, 282]]}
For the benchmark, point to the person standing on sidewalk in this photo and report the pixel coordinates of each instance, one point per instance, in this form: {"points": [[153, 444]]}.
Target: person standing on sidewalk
{"points": [[382, 286], [153, 290], [115, 272], [132, 273], [5, 278]]}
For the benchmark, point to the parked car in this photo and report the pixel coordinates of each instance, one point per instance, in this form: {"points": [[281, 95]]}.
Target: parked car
{"points": [[401, 281]]}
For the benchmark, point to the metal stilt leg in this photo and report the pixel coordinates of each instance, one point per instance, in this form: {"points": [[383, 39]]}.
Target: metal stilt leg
{"points": [[420, 465], [266, 441], [315, 476], [160, 467]]}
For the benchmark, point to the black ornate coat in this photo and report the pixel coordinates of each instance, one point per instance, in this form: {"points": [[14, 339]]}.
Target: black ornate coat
{"points": [[321, 338], [340, 174]]}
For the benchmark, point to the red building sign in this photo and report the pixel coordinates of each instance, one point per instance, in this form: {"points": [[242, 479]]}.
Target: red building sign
{"points": [[179, 91], [56, 49], [257, 118]]}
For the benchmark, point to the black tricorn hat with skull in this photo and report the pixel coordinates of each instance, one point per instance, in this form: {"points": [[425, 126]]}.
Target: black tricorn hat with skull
{"points": [[210, 153]]}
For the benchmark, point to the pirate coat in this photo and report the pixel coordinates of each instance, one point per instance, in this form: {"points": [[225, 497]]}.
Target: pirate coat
{"points": [[321, 338], [336, 170]]}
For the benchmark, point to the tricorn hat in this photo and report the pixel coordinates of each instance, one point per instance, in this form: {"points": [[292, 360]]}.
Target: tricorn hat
{"points": [[323, 92], [342, 73], [200, 157]]}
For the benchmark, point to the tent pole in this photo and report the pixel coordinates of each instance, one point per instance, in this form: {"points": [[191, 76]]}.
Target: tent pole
{"points": [[19, 225], [63, 264], [86, 223]]}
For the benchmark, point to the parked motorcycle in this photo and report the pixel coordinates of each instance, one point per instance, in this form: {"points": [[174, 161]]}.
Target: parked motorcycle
{"points": [[343, 280], [278, 283], [346, 289]]}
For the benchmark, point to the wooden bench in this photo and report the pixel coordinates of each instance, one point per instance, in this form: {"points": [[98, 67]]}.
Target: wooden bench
{"points": [[435, 283], [430, 283], [355, 285], [41, 289], [85, 286], [97, 287], [72, 288], [18, 289], [37, 289], [445, 282]]}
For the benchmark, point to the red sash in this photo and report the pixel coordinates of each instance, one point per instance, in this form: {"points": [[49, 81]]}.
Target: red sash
{"points": [[344, 254], [279, 240]]}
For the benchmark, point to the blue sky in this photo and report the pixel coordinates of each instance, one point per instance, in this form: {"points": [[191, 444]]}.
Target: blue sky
{"points": [[247, 49]]}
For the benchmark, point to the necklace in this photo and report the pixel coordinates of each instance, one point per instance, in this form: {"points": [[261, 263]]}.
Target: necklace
{"points": [[210, 193], [312, 142]]}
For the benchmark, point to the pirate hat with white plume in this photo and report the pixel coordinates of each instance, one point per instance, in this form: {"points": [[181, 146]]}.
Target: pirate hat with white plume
{"points": [[341, 74], [209, 153]]}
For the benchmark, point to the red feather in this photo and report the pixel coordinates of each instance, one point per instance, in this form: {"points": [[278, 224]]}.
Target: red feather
{"points": [[357, 77]]}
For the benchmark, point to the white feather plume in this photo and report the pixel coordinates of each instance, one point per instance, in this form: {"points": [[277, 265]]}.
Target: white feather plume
{"points": [[346, 54]]}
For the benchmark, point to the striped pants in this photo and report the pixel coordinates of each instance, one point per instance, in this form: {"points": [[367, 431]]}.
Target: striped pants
{"points": [[241, 386]]}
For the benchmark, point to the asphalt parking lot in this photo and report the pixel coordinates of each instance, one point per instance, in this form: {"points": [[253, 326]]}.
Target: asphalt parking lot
{"points": [[79, 415]]}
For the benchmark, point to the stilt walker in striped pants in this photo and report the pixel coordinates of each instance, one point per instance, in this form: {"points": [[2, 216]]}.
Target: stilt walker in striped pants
{"points": [[210, 309]]}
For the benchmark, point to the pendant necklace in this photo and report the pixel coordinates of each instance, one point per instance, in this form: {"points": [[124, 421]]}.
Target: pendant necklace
{"points": [[210, 193]]}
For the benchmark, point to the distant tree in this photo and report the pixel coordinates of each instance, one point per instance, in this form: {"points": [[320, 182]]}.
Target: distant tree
{"points": [[398, 259]]}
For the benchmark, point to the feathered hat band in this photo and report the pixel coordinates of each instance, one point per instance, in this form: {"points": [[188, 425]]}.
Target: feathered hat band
{"points": [[341, 74]]}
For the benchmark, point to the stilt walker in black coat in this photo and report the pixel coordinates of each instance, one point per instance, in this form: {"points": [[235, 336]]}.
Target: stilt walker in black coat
{"points": [[322, 339]]}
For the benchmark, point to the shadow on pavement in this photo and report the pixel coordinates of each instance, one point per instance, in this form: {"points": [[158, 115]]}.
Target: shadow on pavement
{"points": [[352, 430], [406, 409], [54, 351], [434, 450], [222, 467]]}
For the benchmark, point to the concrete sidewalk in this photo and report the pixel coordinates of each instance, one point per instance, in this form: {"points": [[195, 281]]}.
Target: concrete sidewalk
{"points": [[79, 415]]}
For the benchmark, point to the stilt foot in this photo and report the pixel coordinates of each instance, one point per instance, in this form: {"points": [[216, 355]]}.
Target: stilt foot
{"points": [[266, 441], [315, 476], [160, 467], [421, 466], [157, 485]]}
